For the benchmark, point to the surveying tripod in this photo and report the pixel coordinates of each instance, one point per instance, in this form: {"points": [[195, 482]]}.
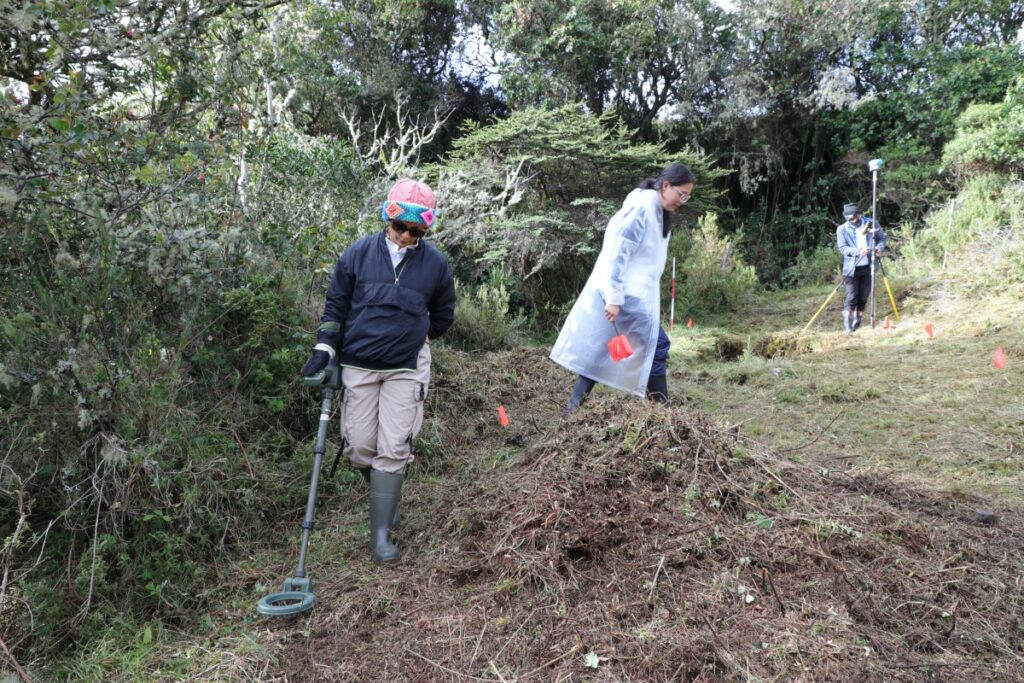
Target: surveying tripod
{"points": [[842, 280]]}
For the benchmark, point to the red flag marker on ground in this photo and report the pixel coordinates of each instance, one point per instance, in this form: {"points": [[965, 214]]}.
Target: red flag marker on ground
{"points": [[887, 324], [689, 322], [502, 417], [929, 329], [999, 359]]}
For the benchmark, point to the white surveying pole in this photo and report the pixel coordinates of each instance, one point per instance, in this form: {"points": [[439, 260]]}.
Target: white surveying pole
{"points": [[874, 165]]}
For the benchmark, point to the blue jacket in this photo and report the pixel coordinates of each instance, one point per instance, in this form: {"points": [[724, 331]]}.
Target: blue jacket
{"points": [[377, 317], [846, 243]]}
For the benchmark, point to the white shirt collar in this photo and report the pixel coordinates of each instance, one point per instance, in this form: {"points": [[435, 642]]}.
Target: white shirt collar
{"points": [[397, 253]]}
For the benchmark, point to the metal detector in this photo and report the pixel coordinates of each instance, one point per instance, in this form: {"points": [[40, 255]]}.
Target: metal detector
{"points": [[296, 595]]}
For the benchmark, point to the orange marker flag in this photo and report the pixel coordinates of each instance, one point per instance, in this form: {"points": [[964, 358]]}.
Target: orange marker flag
{"points": [[502, 417], [689, 322], [887, 324], [999, 359], [929, 329]]}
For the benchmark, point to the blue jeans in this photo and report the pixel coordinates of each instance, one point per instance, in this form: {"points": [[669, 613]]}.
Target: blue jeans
{"points": [[659, 368]]}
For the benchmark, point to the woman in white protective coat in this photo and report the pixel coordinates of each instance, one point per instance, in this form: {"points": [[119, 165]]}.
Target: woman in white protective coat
{"points": [[623, 296]]}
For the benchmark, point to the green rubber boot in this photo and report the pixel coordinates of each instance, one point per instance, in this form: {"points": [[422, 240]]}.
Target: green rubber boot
{"points": [[385, 492], [580, 390], [397, 519], [657, 388]]}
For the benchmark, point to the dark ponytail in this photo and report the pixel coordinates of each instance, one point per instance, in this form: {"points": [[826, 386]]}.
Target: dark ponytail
{"points": [[675, 174]]}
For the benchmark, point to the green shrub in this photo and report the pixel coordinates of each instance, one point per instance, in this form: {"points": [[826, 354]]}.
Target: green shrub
{"points": [[148, 396], [678, 249], [534, 192], [975, 242], [142, 441], [977, 212], [730, 347], [312, 191], [911, 182], [990, 137], [150, 330], [483, 319], [818, 266], [715, 276]]}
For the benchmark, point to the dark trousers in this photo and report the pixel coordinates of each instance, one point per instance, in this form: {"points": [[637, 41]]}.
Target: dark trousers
{"points": [[858, 287], [660, 365]]}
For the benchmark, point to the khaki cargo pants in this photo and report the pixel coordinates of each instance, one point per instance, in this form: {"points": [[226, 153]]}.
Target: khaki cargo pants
{"points": [[382, 412]]}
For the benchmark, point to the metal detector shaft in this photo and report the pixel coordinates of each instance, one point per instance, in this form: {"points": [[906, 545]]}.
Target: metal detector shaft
{"points": [[296, 595]]}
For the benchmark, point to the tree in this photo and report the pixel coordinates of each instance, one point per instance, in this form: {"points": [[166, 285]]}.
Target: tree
{"points": [[531, 195], [641, 60], [363, 60], [816, 89], [142, 283]]}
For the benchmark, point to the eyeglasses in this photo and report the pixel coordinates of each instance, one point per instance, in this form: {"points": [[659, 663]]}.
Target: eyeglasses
{"points": [[415, 233], [681, 194]]}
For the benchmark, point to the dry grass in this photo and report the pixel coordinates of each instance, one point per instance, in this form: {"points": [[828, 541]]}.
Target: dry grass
{"points": [[750, 533], [660, 544], [932, 410]]}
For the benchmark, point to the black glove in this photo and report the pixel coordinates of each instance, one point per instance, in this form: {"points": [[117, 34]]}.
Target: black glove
{"points": [[317, 362]]}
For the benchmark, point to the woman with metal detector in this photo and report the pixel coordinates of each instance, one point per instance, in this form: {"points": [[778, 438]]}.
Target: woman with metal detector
{"points": [[391, 293], [859, 240], [622, 296]]}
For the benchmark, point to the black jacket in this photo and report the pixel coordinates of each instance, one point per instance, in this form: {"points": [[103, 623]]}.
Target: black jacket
{"points": [[377, 316]]}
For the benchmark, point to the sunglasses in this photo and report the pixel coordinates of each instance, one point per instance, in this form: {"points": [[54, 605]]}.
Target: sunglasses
{"points": [[415, 233]]}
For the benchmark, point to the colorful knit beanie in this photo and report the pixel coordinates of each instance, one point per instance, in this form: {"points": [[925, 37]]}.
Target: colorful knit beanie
{"points": [[409, 201]]}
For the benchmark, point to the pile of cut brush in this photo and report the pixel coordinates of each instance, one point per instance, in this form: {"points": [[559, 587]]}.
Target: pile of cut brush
{"points": [[634, 542]]}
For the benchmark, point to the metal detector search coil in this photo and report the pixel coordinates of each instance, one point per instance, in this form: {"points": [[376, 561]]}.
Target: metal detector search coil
{"points": [[286, 603]]}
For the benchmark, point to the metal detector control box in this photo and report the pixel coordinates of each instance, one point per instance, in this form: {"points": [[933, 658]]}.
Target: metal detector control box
{"points": [[328, 378]]}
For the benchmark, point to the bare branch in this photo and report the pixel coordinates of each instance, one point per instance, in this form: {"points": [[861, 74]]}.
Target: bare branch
{"points": [[393, 146]]}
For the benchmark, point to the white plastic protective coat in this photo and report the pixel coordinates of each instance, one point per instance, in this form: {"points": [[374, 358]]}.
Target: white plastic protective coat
{"points": [[627, 273]]}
